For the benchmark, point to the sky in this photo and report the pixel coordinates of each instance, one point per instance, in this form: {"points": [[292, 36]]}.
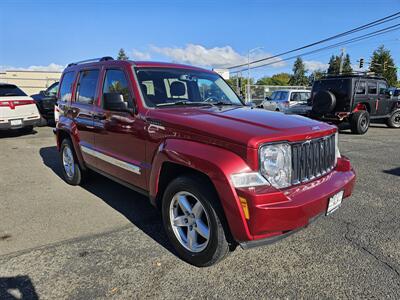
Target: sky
{"points": [[47, 35]]}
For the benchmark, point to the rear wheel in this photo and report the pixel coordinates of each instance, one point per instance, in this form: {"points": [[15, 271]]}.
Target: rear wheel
{"points": [[394, 120], [359, 122], [70, 168], [192, 221]]}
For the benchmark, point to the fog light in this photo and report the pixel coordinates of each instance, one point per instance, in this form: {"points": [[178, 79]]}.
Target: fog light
{"points": [[245, 207]]}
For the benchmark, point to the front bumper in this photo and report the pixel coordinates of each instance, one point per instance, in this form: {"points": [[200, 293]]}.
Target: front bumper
{"points": [[275, 214], [30, 121]]}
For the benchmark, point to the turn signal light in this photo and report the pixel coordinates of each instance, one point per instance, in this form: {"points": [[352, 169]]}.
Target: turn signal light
{"points": [[245, 207]]}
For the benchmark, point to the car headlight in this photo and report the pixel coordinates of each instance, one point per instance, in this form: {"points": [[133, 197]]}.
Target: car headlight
{"points": [[248, 179], [337, 152], [276, 164]]}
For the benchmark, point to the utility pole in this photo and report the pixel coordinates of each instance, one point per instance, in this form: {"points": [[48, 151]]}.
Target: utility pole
{"points": [[248, 87], [342, 60]]}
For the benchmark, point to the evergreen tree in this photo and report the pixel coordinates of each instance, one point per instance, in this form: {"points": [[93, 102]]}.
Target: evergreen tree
{"points": [[299, 73], [122, 55], [316, 75], [334, 65], [382, 64]]}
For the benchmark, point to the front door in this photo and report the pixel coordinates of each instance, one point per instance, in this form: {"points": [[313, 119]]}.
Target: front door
{"points": [[119, 140], [384, 101]]}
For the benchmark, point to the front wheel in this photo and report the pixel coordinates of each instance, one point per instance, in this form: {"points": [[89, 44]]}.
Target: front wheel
{"points": [[359, 122], [70, 168], [394, 120], [191, 217]]}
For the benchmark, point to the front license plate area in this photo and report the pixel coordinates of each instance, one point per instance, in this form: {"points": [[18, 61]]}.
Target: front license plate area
{"points": [[334, 202]]}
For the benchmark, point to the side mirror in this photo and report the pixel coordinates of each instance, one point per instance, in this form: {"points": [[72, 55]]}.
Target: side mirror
{"points": [[115, 102]]}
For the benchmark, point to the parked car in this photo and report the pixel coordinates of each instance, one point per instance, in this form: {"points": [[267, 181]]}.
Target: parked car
{"points": [[284, 100], [223, 174], [45, 102], [17, 110], [355, 99]]}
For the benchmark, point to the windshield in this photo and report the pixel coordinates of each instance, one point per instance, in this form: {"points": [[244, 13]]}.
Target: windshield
{"points": [[165, 86], [10, 90]]}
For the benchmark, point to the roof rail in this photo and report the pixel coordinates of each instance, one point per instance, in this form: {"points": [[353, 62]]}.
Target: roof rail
{"points": [[104, 58]]}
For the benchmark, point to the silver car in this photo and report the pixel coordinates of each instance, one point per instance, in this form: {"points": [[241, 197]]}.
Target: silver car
{"points": [[284, 100]]}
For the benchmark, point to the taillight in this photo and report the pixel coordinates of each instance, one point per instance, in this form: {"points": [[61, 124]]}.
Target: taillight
{"points": [[13, 103]]}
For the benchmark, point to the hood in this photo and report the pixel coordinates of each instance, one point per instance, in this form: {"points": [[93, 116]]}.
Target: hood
{"points": [[241, 125]]}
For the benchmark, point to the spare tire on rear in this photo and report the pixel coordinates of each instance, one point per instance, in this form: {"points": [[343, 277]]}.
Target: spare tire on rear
{"points": [[324, 102]]}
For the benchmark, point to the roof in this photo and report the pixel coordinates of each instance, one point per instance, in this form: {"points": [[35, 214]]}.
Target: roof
{"points": [[139, 64]]}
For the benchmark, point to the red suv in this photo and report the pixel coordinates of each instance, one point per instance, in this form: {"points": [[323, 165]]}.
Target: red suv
{"points": [[222, 173]]}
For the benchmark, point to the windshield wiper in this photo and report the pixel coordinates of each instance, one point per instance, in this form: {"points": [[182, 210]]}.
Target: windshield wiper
{"points": [[183, 103], [221, 103]]}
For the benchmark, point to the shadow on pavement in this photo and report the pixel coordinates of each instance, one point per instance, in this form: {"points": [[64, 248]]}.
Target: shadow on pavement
{"points": [[19, 287], [16, 133], [134, 206], [395, 171]]}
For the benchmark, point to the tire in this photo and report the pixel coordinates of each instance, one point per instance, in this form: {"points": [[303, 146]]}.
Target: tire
{"points": [[359, 122], [42, 122], [394, 120], [197, 210], [71, 170], [277, 109], [324, 102]]}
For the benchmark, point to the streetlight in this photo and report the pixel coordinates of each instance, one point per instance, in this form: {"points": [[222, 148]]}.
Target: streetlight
{"points": [[248, 96]]}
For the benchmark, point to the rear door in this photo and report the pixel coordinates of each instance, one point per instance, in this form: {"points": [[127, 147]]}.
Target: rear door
{"points": [[81, 110], [119, 135]]}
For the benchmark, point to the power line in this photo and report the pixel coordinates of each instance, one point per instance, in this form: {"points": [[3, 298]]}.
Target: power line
{"points": [[349, 41], [363, 27]]}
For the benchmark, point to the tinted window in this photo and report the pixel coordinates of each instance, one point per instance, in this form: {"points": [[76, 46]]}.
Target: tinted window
{"points": [[361, 88], [382, 88], [66, 86], [283, 96], [115, 82], [53, 89], [10, 90], [372, 88], [275, 95], [87, 84]]}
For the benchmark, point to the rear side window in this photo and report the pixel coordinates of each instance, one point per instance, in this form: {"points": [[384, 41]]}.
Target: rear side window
{"points": [[10, 90], [116, 82], [372, 89], [382, 88], [86, 90], [361, 88], [66, 86], [299, 96]]}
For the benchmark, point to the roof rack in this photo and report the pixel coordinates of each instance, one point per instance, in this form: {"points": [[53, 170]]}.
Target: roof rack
{"points": [[104, 58]]}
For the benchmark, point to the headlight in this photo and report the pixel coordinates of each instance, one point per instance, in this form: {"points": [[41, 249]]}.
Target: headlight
{"points": [[276, 164], [337, 152]]}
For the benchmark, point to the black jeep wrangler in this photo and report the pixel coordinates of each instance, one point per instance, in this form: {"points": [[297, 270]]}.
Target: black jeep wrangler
{"points": [[357, 99]]}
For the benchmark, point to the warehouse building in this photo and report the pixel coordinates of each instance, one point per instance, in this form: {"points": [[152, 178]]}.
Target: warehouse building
{"points": [[31, 82]]}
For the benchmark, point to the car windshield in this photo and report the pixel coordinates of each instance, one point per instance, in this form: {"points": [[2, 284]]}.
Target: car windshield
{"points": [[163, 87], [10, 90]]}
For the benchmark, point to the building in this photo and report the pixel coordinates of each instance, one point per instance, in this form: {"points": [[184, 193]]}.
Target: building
{"points": [[31, 82]]}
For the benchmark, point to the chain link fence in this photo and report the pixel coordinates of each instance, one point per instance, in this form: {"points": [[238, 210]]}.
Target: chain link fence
{"points": [[259, 92]]}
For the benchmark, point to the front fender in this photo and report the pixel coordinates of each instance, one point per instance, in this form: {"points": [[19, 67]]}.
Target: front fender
{"points": [[215, 162]]}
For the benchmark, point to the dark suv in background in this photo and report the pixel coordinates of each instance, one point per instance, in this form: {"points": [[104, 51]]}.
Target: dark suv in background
{"points": [[45, 102], [356, 99]]}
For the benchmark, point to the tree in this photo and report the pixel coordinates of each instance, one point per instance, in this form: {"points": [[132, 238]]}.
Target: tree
{"points": [[382, 64], [122, 55], [277, 79], [242, 81], [316, 75], [334, 65], [299, 73]]}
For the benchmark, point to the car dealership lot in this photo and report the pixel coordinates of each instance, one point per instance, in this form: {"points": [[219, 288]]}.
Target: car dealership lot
{"points": [[103, 240]]}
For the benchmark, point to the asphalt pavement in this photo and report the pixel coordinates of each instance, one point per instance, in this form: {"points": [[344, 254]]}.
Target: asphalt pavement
{"points": [[105, 241]]}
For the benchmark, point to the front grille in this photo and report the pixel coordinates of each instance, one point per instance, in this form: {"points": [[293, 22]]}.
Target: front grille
{"points": [[312, 159]]}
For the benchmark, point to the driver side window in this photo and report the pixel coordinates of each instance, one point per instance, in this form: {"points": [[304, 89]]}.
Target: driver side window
{"points": [[115, 82], [208, 89]]}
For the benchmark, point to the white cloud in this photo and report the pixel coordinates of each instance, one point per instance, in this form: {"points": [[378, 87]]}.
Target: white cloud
{"points": [[217, 57], [139, 55], [50, 67], [313, 65]]}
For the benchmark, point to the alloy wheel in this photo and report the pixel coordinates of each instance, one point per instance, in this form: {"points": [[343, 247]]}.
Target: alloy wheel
{"points": [[68, 162], [189, 221]]}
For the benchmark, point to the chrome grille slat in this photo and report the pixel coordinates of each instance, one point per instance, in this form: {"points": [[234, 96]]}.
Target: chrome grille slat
{"points": [[312, 159]]}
